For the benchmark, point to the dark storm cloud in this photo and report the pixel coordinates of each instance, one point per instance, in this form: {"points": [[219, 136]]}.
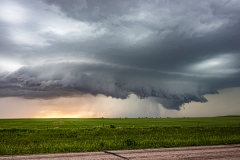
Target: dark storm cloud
{"points": [[172, 51], [71, 79]]}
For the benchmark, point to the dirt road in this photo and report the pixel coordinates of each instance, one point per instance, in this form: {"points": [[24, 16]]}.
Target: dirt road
{"points": [[204, 152]]}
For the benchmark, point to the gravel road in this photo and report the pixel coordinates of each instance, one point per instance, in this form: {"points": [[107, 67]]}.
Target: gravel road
{"points": [[204, 152]]}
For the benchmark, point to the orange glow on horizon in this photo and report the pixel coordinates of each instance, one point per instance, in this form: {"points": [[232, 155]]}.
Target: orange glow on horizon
{"points": [[62, 114]]}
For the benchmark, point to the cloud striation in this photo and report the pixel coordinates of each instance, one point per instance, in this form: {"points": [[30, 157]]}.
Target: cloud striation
{"points": [[172, 52]]}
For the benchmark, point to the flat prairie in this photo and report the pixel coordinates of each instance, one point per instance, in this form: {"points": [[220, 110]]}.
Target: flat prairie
{"points": [[61, 135]]}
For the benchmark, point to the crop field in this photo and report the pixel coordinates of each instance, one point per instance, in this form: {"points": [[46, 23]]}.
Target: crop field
{"points": [[33, 136]]}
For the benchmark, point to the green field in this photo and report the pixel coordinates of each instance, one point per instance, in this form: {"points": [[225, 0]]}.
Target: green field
{"points": [[31, 136]]}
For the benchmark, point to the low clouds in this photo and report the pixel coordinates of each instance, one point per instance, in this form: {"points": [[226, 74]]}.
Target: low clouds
{"points": [[172, 52], [72, 79]]}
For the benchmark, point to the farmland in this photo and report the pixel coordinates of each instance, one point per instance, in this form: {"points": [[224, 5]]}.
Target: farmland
{"points": [[33, 136]]}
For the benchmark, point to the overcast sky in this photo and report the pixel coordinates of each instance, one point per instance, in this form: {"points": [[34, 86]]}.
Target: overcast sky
{"points": [[88, 58]]}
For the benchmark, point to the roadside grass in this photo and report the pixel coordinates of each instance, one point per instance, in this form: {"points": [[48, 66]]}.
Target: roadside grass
{"points": [[60, 135]]}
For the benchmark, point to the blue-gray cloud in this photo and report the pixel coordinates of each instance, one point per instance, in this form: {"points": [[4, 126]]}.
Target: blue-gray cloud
{"points": [[172, 51]]}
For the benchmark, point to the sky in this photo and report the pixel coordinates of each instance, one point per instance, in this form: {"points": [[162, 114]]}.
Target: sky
{"points": [[111, 58]]}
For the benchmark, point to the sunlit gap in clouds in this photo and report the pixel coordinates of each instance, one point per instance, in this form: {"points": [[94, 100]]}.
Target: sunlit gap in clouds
{"points": [[88, 106], [12, 12], [61, 114], [85, 106], [9, 66], [221, 64]]}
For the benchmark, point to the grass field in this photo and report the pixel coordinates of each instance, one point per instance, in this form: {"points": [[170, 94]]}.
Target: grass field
{"points": [[30, 136]]}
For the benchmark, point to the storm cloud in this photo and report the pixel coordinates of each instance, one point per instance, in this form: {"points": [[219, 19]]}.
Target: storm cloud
{"points": [[172, 52]]}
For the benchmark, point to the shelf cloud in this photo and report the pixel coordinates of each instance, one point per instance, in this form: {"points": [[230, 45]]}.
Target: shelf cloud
{"points": [[171, 52]]}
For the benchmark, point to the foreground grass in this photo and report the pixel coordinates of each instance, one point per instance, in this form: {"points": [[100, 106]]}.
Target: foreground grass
{"points": [[52, 139]]}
